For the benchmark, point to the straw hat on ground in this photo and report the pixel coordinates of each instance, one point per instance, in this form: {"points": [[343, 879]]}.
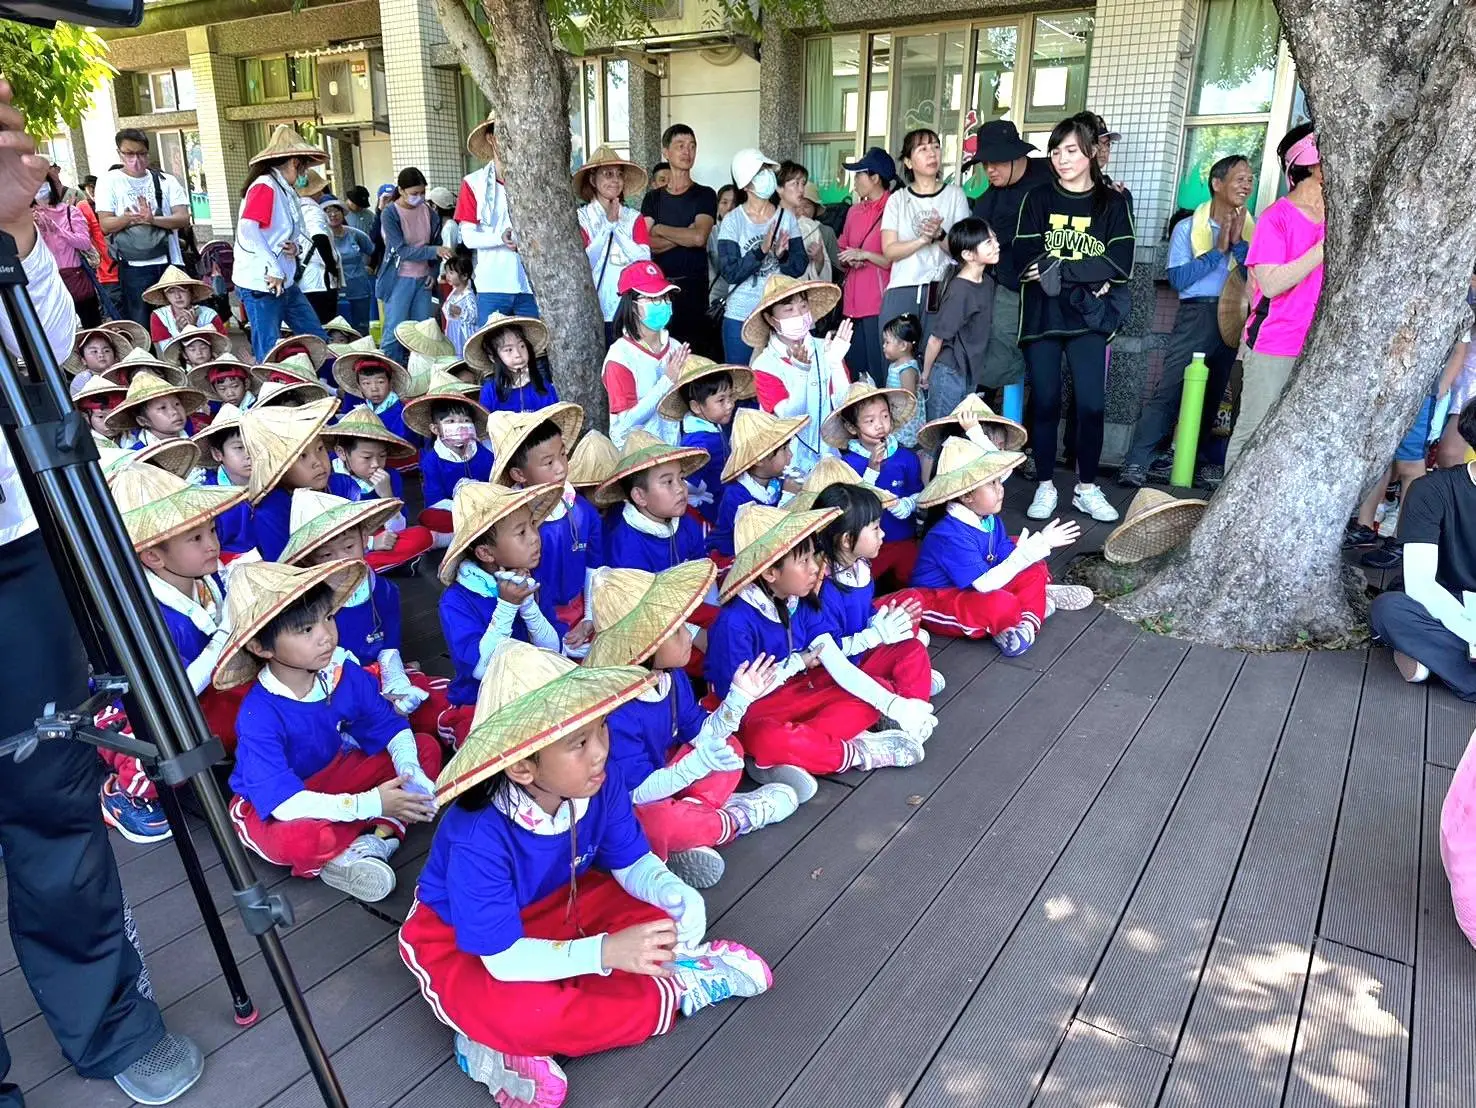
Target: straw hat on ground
{"points": [[593, 460], [478, 348], [901, 402], [755, 436], [202, 378], [963, 467], [346, 371], [478, 506], [509, 430], [635, 611], [145, 387], [274, 394], [287, 143], [134, 361], [443, 386], [359, 345], [135, 333], [99, 393], [176, 278], [177, 456], [645, 451], [480, 143], [227, 419], [635, 176], [316, 183], [822, 295], [362, 423], [425, 337], [294, 345], [174, 350], [1156, 522], [930, 435], [762, 536], [674, 406], [340, 328], [121, 345], [316, 517], [529, 699], [157, 505], [832, 471], [276, 437], [260, 592]]}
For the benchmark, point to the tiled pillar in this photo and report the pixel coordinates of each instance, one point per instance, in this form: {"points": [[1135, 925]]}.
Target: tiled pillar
{"points": [[425, 129], [218, 87]]}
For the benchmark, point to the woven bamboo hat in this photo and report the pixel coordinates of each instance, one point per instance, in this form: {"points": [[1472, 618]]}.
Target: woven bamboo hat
{"points": [[674, 405], [275, 394], [478, 352], [363, 344], [1156, 522], [832, 471], [276, 437], [261, 591], [219, 344], [287, 143], [755, 436], [294, 369], [427, 373], [295, 346], [362, 423], [227, 419], [509, 430], [478, 506], [930, 435], [346, 371], [901, 402], [177, 456], [481, 142], [316, 517], [316, 183], [822, 295], [342, 329], [202, 378], [176, 278], [635, 611], [157, 505], [135, 361], [529, 699], [99, 393], [645, 451], [120, 343], [145, 387], [762, 536], [135, 333], [1233, 308], [443, 386], [635, 176], [593, 460], [425, 337], [963, 467]]}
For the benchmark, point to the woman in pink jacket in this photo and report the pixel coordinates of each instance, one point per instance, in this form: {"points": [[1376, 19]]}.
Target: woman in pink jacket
{"points": [[64, 230]]}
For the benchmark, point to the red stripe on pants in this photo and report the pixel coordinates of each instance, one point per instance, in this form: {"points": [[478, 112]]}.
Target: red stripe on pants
{"points": [[578, 1015], [964, 613], [454, 723], [892, 568], [411, 544], [220, 707], [694, 816]]}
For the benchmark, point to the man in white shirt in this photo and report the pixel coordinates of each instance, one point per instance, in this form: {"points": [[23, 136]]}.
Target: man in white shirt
{"points": [[142, 211], [486, 227]]}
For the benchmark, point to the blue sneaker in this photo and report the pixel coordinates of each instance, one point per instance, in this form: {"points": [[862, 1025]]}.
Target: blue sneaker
{"points": [[138, 821]]}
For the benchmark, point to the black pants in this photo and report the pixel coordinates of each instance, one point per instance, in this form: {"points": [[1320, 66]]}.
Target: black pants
{"points": [[865, 358], [1086, 355], [1409, 628], [325, 304], [689, 322], [1196, 331], [66, 900]]}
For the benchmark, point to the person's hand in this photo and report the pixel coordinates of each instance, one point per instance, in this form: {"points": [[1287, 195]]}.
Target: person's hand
{"points": [[781, 243], [677, 361], [379, 480], [419, 782], [714, 757], [289, 249], [405, 805], [757, 678], [1032, 272], [838, 345], [685, 906], [385, 540], [645, 949], [929, 227], [878, 456], [453, 311], [274, 284], [580, 633], [508, 240], [92, 258], [915, 716], [445, 253], [769, 232], [1224, 238], [789, 484], [893, 624], [815, 251], [1059, 534], [851, 257], [514, 592], [22, 172], [968, 420]]}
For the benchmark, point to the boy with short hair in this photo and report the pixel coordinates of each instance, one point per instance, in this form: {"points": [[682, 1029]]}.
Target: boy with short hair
{"points": [[364, 450], [97, 400], [226, 380], [653, 531], [154, 411], [374, 382], [453, 424], [754, 474], [94, 351], [704, 400], [228, 465], [286, 449]]}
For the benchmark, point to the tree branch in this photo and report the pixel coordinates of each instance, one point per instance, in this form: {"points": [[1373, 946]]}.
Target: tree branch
{"points": [[476, 52]]}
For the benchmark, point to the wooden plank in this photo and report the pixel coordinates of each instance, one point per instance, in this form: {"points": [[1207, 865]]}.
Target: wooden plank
{"points": [[1094, 1070], [1449, 722]]}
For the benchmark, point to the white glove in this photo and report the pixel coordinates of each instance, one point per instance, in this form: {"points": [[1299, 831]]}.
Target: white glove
{"points": [[685, 905], [914, 716], [714, 758], [698, 494], [904, 508], [420, 783], [1035, 547], [892, 624], [395, 686]]}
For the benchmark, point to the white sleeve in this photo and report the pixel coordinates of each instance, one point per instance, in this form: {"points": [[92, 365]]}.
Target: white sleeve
{"points": [[335, 807], [1027, 552], [1421, 559], [53, 303], [403, 753], [860, 685], [546, 960], [175, 194], [107, 194], [541, 632], [200, 670], [645, 407], [499, 629], [669, 780]]}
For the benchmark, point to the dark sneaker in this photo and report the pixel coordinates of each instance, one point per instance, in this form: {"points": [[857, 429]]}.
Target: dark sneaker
{"points": [[165, 1073], [1161, 470], [1209, 476], [1360, 536], [1385, 557], [1132, 477], [1027, 468], [138, 821]]}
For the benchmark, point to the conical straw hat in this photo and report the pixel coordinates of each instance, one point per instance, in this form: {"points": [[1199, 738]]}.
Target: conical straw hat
{"points": [[276, 394], [645, 451], [340, 326], [479, 142], [122, 347], [901, 402], [962, 467], [593, 460], [146, 387], [478, 348], [363, 344], [425, 337], [316, 517], [443, 386], [635, 611], [99, 392], [362, 423], [346, 371], [157, 505], [135, 361], [930, 435], [509, 430], [276, 437], [314, 348], [316, 183], [135, 333], [202, 378], [177, 456], [287, 143], [293, 369], [261, 591], [219, 344], [832, 471], [427, 373], [755, 436], [673, 406], [822, 295], [529, 699], [762, 536], [176, 278], [227, 419], [1156, 522], [479, 505], [635, 176]]}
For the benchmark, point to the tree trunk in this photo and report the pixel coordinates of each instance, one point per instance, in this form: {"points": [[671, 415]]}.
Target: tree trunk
{"points": [[1390, 84], [526, 83]]}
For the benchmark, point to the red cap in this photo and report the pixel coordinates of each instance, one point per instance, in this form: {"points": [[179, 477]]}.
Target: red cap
{"points": [[645, 278], [225, 372], [103, 403]]}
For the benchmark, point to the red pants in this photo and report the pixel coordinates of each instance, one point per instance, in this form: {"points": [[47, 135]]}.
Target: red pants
{"points": [[220, 707], [437, 520], [964, 613], [693, 817], [453, 723], [307, 844], [892, 568], [578, 1015], [807, 721], [424, 720], [412, 543]]}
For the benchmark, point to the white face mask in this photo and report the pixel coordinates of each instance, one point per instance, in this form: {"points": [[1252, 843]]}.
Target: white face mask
{"points": [[795, 327], [764, 184]]}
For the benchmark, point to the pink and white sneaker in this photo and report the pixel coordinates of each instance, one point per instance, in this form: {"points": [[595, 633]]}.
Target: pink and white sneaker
{"points": [[515, 1080], [719, 970]]}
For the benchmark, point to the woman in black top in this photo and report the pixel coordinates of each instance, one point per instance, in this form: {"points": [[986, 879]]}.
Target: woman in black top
{"points": [[1074, 252]]}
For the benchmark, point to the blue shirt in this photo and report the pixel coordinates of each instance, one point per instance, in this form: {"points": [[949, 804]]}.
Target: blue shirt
{"points": [[233, 527], [741, 633], [525, 398], [484, 869], [732, 496], [354, 247], [710, 476], [188, 639], [465, 617], [955, 553], [439, 476], [366, 629], [572, 544], [900, 475], [643, 733], [272, 519], [846, 609], [627, 548], [1202, 276]]}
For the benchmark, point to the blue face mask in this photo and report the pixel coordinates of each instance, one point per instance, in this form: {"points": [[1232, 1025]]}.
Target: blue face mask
{"points": [[656, 314], [302, 180]]}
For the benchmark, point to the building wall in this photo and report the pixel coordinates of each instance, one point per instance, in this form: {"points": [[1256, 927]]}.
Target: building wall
{"points": [[720, 102]]}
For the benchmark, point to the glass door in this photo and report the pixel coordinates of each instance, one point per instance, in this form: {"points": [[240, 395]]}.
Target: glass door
{"points": [[927, 90]]}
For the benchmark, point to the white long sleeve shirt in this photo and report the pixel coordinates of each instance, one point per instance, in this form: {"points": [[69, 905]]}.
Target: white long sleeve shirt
{"points": [[481, 212]]}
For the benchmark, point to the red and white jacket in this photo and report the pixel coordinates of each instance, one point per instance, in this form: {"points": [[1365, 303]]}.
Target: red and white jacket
{"points": [[635, 383], [611, 245], [270, 218], [481, 212]]}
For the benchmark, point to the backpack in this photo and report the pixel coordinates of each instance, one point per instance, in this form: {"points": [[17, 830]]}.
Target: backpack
{"points": [[142, 241]]}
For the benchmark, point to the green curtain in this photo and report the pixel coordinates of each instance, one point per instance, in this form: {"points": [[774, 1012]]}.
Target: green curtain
{"points": [[1237, 51], [819, 85]]}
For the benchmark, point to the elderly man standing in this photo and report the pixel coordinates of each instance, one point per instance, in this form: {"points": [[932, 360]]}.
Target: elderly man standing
{"points": [[486, 227]]}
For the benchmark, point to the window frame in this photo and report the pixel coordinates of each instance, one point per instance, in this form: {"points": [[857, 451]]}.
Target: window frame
{"points": [[292, 60]]}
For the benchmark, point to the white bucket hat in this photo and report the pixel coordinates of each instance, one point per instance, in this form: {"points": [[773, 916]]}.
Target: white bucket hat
{"points": [[747, 163]]}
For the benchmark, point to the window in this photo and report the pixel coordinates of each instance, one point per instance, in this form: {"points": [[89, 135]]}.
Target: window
{"points": [[180, 154], [272, 79], [599, 108], [474, 109], [167, 90]]}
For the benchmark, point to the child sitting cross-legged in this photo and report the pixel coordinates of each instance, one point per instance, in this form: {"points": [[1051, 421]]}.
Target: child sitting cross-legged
{"points": [[974, 579], [328, 775], [374, 382], [453, 425], [653, 531], [227, 465], [287, 452], [817, 720], [760, 454], [681, 764], [154, 410], [226, 380], [703, 402], [363, 449], [543, 924]]}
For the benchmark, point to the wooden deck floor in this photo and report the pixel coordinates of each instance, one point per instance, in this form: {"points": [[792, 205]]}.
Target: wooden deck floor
{"points": [[1129, 873]]}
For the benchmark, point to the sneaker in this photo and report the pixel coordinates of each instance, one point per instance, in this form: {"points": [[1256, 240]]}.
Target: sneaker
{"points": [[1093, 501], [1161, 471], [1043, 504], [880, 749], [138, 821], [361, 871], [801, 781], [165, 1073], [1070, 598], [719, 971], [701, 867], [1132, 476], [515, 1080], [923, 637], [936, 683], [1015, 640], [771, 803], [1209, 476], [1358, 535], [1411, 670], [1027, 467], [1389, 525], [1384, 557]]}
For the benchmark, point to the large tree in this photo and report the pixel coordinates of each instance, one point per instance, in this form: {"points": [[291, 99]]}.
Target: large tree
{"points": [[54, 73], [1391, 85]]}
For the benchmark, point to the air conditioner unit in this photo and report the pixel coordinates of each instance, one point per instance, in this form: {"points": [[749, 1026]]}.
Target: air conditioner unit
{"points": [[351, 89]]}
